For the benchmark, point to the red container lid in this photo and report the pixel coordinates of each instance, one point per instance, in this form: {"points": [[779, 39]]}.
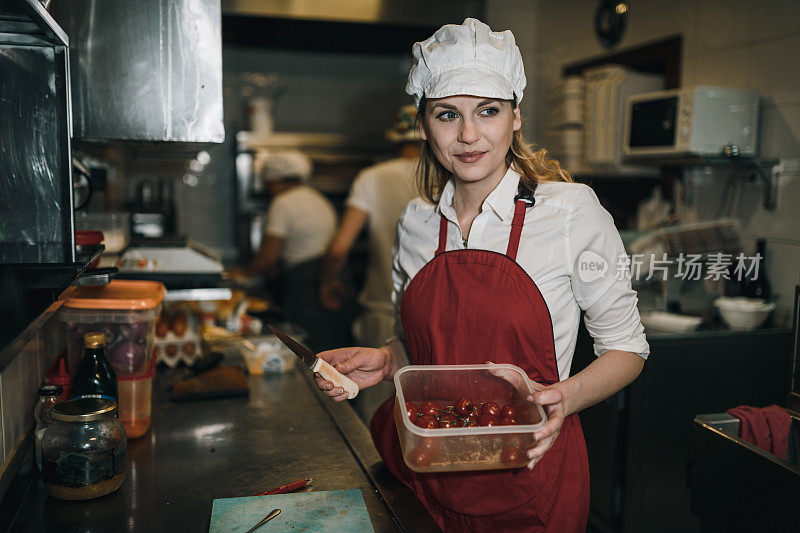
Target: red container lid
{"points": [[88, 237], [119, 294]]}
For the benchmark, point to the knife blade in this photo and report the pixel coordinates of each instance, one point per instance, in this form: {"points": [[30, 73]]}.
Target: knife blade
{"points": [[318, 365]]}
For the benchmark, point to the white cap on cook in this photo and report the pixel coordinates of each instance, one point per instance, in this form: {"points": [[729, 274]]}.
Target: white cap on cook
{"points": [[468, 59], [289, 164]]}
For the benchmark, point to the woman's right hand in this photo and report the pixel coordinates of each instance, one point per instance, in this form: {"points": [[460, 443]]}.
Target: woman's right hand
{"points": [[365, 366]]}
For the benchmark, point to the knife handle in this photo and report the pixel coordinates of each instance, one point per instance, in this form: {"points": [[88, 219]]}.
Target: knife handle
{"points": [[337, 378]]}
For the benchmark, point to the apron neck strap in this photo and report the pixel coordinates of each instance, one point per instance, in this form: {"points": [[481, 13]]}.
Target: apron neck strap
{"points": [[442, 235], [513, 239], [516, 229]]}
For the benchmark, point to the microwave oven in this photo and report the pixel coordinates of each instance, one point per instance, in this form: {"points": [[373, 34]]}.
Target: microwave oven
{"points": [[695, 121]]}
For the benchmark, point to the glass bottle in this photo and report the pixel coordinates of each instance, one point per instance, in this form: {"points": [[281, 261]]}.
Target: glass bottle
{"points": [[94, 377], [757, 285], [49, 395]]}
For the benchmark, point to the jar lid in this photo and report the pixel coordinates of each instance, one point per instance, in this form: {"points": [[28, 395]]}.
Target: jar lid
{"points": [[84, 410], [50, 390]]}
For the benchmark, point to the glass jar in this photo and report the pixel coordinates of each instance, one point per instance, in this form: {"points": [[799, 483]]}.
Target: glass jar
{"points": [[83, 450], [49, 395]]}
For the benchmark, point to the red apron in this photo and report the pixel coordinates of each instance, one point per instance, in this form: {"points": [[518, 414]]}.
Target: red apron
{"points": [[467, 307]]}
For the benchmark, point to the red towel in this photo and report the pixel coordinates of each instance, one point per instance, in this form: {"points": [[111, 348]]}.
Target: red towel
{"points": [[765, 427]]}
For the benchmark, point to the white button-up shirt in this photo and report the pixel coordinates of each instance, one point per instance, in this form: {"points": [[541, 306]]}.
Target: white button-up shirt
{"points": [[569, 247]]}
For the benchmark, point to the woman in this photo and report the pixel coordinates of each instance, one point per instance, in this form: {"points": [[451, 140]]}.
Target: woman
{"points": [[496, 262]]}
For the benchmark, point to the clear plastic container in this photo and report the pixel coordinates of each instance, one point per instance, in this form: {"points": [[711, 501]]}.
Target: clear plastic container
{"points": [[466, 448], [135, 405], [115, 228], [125, 311]]}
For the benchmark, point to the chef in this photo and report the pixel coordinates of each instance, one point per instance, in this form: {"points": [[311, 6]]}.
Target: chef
{"points": [[299, 225], [496, 261], [377, 198]]}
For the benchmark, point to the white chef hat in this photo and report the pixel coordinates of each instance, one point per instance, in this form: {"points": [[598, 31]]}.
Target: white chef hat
{"points": [[289, 164], [467, 59], [404, 128]]}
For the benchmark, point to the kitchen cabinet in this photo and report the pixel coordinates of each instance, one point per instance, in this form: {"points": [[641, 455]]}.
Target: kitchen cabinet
{"points": [[639, 439]]}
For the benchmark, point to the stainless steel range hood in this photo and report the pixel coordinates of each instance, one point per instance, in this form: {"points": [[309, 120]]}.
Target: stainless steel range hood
{"points": [[145, 71]]}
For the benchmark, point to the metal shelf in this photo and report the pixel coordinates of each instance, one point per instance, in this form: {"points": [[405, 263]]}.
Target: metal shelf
{"points": [[26, 22], [766, 170]]}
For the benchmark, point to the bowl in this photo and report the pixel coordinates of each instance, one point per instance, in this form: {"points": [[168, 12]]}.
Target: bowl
{"points": [[454, 449], [670, 322], [743, 314]]}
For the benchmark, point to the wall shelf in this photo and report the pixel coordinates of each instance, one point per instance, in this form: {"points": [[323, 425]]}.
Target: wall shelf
{"points": [[766, 170]]}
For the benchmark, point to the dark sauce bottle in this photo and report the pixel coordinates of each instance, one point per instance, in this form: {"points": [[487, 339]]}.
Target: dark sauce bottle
{"points": [[94, 377], [757, 285]]}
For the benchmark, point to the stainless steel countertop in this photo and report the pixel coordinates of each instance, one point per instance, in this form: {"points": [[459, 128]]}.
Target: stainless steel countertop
{"points": [[201, 450]]}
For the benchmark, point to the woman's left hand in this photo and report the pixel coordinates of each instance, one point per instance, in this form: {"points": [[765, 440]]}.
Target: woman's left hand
{"points": [[552, 400]]}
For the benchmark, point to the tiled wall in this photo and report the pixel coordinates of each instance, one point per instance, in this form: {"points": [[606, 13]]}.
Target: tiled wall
{"points": [[725, 42], [19, 383]]}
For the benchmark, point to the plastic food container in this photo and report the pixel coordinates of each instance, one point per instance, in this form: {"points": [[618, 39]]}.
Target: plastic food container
{"points": [[271, 356], [85, 240], [115, 228], [135, 405], [83, 450], [466, 448], [125, 311]]}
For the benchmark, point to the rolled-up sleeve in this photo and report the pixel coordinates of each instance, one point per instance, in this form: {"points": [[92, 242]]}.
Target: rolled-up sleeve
{"points": [[601, 281], [397, 343]]}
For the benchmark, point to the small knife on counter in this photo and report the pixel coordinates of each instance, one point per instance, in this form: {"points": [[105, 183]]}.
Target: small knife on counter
{"points": [[320, 366]]}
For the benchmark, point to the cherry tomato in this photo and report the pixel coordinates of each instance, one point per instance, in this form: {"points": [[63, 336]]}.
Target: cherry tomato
{"points": [[420, 456], [426, 421], [464, 406], [412, 410], [488, 420], [490, 408], [448, 421], [511, 454], [509, 411], [471, 419], [430, 408], [508, 421]]}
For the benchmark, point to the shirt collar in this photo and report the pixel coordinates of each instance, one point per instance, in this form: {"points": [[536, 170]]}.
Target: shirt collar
{"points": [[500, 200]]}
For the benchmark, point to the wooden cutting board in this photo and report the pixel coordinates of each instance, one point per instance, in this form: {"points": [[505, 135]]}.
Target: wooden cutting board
{"points": [[330, 510], [219, 382]]}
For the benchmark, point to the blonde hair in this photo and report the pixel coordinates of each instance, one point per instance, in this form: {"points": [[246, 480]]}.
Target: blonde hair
{"points": [[532, 164]]}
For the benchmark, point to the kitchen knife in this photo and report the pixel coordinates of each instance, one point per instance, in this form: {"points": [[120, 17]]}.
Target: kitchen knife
{"points": [[322, 367]]}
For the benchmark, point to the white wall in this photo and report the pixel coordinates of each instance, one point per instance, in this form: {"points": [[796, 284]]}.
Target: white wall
{"points": [[736, 43]]}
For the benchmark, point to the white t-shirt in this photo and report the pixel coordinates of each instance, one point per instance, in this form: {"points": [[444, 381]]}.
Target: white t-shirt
{"points": [[566, 235], [382, 191], [305, 219]]}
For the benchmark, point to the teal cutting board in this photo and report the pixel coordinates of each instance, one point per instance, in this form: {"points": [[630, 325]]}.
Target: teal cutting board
{"points": [[330, 510]]}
